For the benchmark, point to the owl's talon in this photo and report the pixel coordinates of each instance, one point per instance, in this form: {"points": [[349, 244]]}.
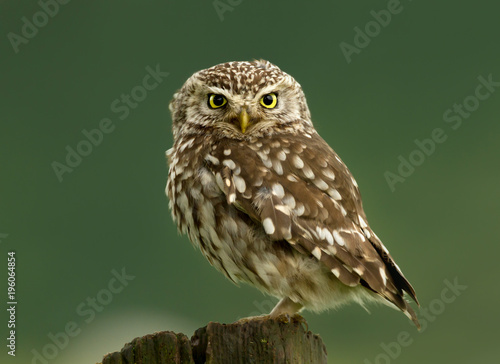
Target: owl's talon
{"points": [[284, 318], [300, 319]]}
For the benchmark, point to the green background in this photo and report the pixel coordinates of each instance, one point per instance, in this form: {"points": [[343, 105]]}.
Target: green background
{"points": [[110, 212]]}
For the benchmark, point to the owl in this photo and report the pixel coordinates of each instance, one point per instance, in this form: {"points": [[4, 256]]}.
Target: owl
{"points": [[265, 198]]}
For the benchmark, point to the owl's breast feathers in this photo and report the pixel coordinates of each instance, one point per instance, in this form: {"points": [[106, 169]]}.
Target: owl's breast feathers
{"points": [[297, 190]]}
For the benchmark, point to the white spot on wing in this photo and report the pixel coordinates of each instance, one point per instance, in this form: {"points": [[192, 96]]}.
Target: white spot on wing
{"points": [[334, 194], [383, 275], [358, 271], [267, 163], [361, 236], [289, 201], [308, 172], [317, 253], [362, 222], [278, 190], [212, 159], [320, 233], [329, 236], [300, 209], [287, 234], [340, 240], [229, 163], [322, 185], [268, 225], [332, 249], [297, 162], [262, 155], [281, 155], [384, 248], [258, 181], [278, 167], [239, 184], [284, 209], [354, 182], [328, 173]]}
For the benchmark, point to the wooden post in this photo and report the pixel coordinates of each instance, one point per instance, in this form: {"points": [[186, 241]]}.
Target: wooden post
{"points": [[257, 340]]}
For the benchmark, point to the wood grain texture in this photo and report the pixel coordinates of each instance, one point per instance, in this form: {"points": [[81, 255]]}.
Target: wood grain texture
{"points": [[164, 347]]}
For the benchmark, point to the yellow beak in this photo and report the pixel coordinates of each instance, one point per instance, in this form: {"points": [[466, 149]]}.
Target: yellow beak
{"points": [[244, 120]]}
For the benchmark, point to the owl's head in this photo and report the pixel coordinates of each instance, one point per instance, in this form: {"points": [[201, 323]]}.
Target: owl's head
{"points": [[239, 100]]}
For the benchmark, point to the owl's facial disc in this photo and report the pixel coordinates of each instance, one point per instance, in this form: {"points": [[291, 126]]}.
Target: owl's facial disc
{"points": [[247, 112]]}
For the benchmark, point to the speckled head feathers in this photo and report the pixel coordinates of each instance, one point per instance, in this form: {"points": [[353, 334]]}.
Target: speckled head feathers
{"points": [[242, 84], [243, 77]]}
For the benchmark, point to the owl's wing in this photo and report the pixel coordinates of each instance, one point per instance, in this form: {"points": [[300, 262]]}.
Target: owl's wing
{"points": [[301, 192]]}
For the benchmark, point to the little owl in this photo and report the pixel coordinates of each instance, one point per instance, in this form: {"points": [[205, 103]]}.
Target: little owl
{"points": [[265, 198]]}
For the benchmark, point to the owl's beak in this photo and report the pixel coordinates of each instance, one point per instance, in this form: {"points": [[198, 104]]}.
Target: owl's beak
{"points": [[244, 120]]}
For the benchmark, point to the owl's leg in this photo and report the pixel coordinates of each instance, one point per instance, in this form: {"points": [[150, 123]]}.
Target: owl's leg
{"points": [[286, 307]]}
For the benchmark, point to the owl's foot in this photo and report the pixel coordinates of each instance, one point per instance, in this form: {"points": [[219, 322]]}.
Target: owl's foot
{"points": [[288, 319], [244, 320], [285, 311], [284, 318]]}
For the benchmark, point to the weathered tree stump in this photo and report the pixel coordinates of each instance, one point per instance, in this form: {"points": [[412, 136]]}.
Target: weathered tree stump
{"points": [[258, 340]]}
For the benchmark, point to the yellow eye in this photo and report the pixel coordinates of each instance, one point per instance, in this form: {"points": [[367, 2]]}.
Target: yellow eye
{"points": [[215, 101], [269, 101]]}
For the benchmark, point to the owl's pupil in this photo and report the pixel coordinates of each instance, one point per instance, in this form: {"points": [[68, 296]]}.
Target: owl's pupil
{"points": [[267, 100], [218, 100]]}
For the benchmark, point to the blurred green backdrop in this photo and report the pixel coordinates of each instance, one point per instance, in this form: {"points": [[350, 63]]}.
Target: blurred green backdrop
{"points": [[61, 74]]}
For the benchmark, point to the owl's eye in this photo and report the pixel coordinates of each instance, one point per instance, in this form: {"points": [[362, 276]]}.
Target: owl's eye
{"points": [[215, 101], [269, 101]]}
